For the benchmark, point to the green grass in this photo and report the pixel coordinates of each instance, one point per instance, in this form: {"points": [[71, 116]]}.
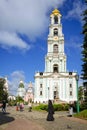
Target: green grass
{"points": [[82, 114]]}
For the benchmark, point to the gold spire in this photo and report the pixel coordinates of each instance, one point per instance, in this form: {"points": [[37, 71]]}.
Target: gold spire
{"points": [[55, 12]]}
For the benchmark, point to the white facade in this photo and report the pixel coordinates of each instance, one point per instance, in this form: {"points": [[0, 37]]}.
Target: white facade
{"points": [[55, 82]]}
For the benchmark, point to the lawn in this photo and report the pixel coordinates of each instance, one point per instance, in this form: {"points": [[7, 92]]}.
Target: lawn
{"points": [[82, 114]]}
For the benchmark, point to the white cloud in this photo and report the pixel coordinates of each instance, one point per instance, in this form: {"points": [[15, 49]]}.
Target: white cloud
{"points": [[73, 44], [18, 75], [76, 11], [14, 79], [25, 17], [12, 40]]}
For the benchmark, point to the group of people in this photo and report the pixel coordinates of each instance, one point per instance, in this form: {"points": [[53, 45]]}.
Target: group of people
{"points": [[50, 109], [20, 106]]}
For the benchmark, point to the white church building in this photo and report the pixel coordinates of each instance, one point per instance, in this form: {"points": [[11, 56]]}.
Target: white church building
{"points": [[55, 83]]}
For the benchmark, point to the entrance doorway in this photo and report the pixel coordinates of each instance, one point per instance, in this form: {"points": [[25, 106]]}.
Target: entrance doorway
{"points": [[55, 94]]}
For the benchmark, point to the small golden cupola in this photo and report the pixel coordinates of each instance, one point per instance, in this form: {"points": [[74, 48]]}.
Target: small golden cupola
{"points": [[55, 12], [55, 17]]}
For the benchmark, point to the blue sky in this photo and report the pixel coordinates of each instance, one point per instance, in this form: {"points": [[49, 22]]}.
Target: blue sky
{"points": [[23, 37]]}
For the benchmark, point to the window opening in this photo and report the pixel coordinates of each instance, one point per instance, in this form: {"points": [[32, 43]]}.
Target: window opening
{"points": [[41, 85], [70, 85], [70, 93], [55, 68], [55, 19], [40, 93], [55, 32], [55, 48]]}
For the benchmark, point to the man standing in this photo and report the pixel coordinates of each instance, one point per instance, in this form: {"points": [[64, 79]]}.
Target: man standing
{"points": [[4, 106]]}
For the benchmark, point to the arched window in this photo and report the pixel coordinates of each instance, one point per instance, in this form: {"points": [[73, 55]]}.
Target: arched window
{"points": [[55, 48], [55, 19], [55, 68], [55, 32], [41, 85]]}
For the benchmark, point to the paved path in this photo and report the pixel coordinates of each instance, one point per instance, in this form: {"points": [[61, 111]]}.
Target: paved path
{"points": [[16, 120], [23, 124]]}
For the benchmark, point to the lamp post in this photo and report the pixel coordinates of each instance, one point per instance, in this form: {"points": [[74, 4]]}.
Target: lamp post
{"points": [[48, 93], [77, 104]]}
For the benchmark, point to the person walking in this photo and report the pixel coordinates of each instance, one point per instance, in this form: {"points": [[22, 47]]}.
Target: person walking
{"points": [[21, 106], [29, 106], [4, 106], [70, 110], [50, 111]]}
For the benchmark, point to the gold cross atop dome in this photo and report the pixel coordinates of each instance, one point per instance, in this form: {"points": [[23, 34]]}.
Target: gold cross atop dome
{"points": [[55, 12]]}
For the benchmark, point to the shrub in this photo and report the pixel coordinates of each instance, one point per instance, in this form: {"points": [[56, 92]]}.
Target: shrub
{"points": [[25, 103], [66, 107], [12, 103], [41, 107], [19, 99], [57, 107], [83, 106]]}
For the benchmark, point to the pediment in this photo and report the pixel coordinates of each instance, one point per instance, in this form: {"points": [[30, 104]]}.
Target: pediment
{"points": [[58, 75]]}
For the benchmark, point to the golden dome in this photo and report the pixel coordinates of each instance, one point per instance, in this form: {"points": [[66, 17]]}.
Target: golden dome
{"points": [[55, 12]]}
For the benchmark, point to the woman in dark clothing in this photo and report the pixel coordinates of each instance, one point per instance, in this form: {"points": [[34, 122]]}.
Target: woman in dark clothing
{"points": [[50, 111]]}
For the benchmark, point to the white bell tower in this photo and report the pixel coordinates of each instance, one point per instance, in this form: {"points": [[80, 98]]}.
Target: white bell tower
{"points": [[55, 60], [55, 83]]}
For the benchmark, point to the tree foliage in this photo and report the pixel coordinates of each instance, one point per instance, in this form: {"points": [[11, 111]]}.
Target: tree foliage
{"points": [[3, 94], [80, 93], [84, 47], [84, 51], [19, 99], [21, 85]]}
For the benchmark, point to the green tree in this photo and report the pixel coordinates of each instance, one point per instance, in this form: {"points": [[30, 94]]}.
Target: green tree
{"points": [[80, 93], [84, 51], [3, 94], [21, 85], [19, 99]]}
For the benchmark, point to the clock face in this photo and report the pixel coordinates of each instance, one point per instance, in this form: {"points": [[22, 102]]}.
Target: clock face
{"points": [[55, 38]]}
